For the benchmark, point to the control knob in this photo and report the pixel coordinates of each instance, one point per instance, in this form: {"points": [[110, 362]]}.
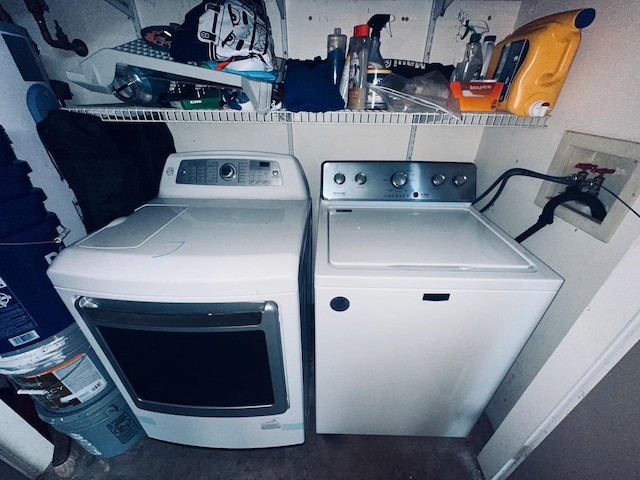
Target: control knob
{"points": [[460, 180], [228, 171], [438, 179], [339, 178], [399, 179], [361, 178]]}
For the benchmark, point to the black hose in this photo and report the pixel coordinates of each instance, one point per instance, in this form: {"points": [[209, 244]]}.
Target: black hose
{"points": [[598, 211], [568, 180]]}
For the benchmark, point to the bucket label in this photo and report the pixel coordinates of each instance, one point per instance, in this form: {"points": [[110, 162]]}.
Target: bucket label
{"points": [[16, 324], [125, 428], [68, 384]]}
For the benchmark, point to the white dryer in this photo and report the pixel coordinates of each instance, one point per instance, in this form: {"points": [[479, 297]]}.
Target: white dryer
{"points": [[197, 302], [422, 304]]}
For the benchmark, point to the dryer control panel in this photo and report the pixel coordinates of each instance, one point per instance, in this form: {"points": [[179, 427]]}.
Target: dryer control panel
{"points": [[216, 171], [233, 174], [399, 181]]}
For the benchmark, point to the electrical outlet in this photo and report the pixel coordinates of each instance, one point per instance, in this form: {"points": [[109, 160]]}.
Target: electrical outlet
{"points": [[620, 156]]}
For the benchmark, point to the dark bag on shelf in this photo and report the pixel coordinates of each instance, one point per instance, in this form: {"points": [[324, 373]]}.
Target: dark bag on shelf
{"points": [[112, 168]]}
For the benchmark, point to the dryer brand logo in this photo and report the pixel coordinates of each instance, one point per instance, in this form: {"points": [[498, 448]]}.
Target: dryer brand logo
{"points": [[273, 424]]}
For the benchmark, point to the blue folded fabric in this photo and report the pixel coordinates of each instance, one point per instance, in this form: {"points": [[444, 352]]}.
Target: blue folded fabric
{"points": [[310, 89]]}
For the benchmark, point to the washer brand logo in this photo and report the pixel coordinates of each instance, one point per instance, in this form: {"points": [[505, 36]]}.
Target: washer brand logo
{"points": [[271, 425]]}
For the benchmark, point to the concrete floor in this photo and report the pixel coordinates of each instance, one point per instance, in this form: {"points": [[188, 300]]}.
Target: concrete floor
{"points": [[335, 457], [321, 457]]}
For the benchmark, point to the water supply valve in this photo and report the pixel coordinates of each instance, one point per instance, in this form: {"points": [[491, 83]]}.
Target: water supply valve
{"points": [[598, 180], [586, 167], [581, 176]]}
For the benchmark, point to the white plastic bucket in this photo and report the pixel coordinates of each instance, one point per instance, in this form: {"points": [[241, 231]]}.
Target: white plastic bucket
{"points": [[61, 372]]}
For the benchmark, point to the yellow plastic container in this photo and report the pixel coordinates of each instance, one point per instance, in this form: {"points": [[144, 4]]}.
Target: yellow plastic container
{"points": [[533, 62]]}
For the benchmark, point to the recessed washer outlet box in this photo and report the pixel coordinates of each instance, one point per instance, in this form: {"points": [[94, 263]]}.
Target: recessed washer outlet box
{"points": [[619, 155]]}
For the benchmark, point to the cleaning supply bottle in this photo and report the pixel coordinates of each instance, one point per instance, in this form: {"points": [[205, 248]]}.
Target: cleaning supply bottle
{"points": [[336, 52], [471, 66], [376, 71], [534, 61], [358, 58], [377, 23]]}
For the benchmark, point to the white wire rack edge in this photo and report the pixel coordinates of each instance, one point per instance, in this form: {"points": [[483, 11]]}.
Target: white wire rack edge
{"points": [[146, 114]]}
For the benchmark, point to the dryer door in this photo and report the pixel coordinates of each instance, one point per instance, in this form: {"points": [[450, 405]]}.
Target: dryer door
{"points": [[198, 359]]}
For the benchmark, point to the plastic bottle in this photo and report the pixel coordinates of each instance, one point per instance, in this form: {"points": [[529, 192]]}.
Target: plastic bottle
{"points": [[487, 51], [534, 61], [376, 71], [358, 58], [336, 51], [377, 23], [470, 67]]}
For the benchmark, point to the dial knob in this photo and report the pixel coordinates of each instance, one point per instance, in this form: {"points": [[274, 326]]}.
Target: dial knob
{"points": [[438, 179], [399, 179], [339, 178], [228, 171], [459, 180], [361, 178]]}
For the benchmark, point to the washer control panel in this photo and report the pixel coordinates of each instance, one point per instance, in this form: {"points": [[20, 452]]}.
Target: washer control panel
{"points": [[399, 181], [221, 171]]}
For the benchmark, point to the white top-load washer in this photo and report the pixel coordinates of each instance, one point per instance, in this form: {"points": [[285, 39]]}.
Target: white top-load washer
{"points": [[197, 302], [422, 304]]}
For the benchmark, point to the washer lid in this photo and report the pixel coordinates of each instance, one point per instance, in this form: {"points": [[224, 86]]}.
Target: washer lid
{"points": [[430, 239]]}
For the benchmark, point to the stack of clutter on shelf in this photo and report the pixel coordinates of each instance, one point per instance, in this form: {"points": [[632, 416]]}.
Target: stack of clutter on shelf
{"points": [[43, 353], [526, 71], [187, 66]]}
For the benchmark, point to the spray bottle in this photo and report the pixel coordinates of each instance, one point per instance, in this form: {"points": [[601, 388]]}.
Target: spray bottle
{"points": [[471, 66], [377, 23], [376, 71]]}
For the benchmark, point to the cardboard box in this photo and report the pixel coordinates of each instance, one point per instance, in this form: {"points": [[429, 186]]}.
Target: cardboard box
{"points": [[477, 96]]}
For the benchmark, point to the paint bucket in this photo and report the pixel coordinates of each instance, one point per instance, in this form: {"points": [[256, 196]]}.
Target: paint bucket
{"points": [[105, 428], [30, 308], [61, 373]]}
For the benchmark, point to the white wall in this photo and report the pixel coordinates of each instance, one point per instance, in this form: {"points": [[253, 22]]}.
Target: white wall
{"points": [[599, 97]]}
